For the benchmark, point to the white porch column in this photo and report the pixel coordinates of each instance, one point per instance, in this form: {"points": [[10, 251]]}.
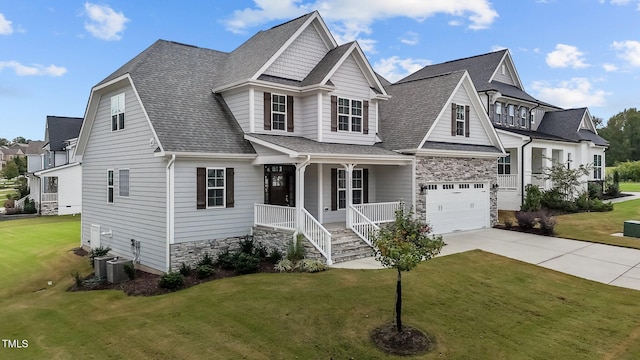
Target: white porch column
{"points": [[526, 166], [300, 169], [547, 163], [349, 179]]}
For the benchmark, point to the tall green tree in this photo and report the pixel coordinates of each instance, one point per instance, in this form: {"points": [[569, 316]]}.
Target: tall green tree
{"points": [[4, 141], [20, 140], [402, 245], [10, 170], [623, 133], [21, 164]]}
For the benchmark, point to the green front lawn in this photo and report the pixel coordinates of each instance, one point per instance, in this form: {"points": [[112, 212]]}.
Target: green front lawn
{"points": [[630, 187], [478, 306]]}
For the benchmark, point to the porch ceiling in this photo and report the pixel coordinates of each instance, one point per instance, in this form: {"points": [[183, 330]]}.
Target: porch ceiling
{"points": [[292, 149]]}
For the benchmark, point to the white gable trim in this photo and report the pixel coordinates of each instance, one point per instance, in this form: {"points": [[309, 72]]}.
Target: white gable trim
{"points": [[323, 32], [476, 103], [92, 110], [511, 66]]}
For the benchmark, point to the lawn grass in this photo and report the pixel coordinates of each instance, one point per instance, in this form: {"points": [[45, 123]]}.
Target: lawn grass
{"points": [[5, 192], [477, 305], [630, 187]]}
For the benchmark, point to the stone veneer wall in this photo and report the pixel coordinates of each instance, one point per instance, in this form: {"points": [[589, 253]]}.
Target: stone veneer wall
{"points": [[445, 169], [49, 208], [191, 252]]}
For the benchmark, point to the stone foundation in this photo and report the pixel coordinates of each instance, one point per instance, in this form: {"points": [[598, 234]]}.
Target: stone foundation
{"points": [[49, 208], [438, 169], [193, 251]]}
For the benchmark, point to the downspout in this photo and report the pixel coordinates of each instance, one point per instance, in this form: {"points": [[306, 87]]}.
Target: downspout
{"points": [[169, 205], [486, 93], [535, 107], [522, 172]]}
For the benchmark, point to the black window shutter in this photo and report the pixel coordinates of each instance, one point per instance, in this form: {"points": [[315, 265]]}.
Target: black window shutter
{"points": [[453, 119], [365, 186], [267, 111], [467, 121], [365, 117], [201, 186], [229, 185], [334, 189], [334, 113], [289, 113]]}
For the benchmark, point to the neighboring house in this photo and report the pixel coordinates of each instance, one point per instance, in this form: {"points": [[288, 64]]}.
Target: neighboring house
{"points": [[9, 152], [187, 150], [55, 176], [535, 134]]}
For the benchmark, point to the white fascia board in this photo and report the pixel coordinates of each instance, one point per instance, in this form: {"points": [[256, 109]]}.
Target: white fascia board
{"points": [[509, 133], [368, 69], [266, 85], [445, 107], [272, 146], [549, 142], [202, 155], [54, 169], [472, 93], [459, 154]]}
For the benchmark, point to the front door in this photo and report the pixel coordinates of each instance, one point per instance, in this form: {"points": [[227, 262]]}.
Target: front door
{"points": [[280, 185]]}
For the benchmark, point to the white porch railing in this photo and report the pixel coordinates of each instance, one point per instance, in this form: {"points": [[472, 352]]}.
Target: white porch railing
{"points": [[379, 213], [508, 181], [361, 225], [19, 204], [49, 197], [280, 217], [317, 234]]}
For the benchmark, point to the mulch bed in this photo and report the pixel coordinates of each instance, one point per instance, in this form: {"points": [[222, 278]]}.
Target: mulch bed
{"points": [[146, 284], [536, 231], [410, 341]]}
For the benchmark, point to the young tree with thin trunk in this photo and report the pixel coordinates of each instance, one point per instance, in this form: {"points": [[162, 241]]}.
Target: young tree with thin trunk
{"points": [[402, 245]]}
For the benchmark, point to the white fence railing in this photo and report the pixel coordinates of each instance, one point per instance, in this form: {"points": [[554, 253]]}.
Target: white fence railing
{"points": [[361, 225], [280, 217], [379, 213], [19, 204], [317, 234], [508, 181], [49, 197]]}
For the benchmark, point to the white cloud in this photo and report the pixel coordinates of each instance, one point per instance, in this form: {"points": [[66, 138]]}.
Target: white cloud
{"points": [[410, 38], [350, 19], [624, 3], [609, 67], [395, 68], [5, 26], [105, 23], [577, 92], [23, 70], [566, 56], [629, 51]]}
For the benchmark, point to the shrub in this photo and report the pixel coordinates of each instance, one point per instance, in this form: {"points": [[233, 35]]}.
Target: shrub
{"points": [[274, 256], [547, 223], [601, 206], [247, 245], [583, 202], [310, 265], [526, 219], [204, 271], [206, 260], [226, 260], [9, 203], [185, 269], [29, 207], [261, 251], [76, 278], [246, 263], [295, 252], [508, 224], [532, 198], [284, 265], [171, 280], [595, 190], [98, 252], [130, 270]]}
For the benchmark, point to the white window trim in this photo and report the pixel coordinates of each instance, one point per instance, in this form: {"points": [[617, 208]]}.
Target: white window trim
{"points": [[344, 189], [511, 114], [350, 116], [112, 186], [597, 167], [523, 117], [273, 112], [224, 188], [502, 162], [117, 111], [460, 119], [128, 182]]}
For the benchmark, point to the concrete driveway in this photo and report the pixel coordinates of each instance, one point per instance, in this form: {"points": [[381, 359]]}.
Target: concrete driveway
{"points": [[607, 264]]}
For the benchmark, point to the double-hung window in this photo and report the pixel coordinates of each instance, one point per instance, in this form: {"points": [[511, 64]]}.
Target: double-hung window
{"points": [[504, 165], [110, 186], [123, 182], [349, 115], [523, 117], [278, 112], [497, 112], [117, 112], [215, 187], [511, 114], [597, 167], [460, 120], [357, 187]]}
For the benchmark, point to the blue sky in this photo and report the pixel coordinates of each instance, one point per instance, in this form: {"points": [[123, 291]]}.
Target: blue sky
{"points": [[570, 53]]}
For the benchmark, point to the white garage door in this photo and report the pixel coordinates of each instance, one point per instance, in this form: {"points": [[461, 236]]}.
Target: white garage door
{"points": [[457, 206]]}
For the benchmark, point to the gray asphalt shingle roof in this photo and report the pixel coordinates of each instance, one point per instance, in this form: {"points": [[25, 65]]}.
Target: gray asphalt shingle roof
{"points": [[413, 108], [566, 124], [325, 65], [61, 128], [307, 146]]}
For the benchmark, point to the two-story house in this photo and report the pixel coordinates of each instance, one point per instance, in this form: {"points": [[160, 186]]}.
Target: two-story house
{"points": [[55, 176], [535, 134], [186, 150]]}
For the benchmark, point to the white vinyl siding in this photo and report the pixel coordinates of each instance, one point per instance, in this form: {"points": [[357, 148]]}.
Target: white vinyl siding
{"points": [[141, 216], [259, 117], [442, 129], [307, 118], [393, 183], [311, 201], [507, 77], [192, 224], [238, 103], [297, 61]]}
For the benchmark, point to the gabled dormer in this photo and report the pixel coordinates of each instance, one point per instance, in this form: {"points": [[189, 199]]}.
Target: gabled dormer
{"points": [[505, 71]]}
